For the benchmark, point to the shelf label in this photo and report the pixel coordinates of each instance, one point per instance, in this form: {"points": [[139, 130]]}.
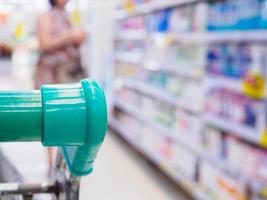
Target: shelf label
{"points": [[76, 17], [263, 139], [20, 32], [254, 86], [129, 6]]}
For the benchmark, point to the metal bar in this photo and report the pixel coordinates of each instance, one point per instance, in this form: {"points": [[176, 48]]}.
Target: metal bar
{"points": [[20, 116], [27, 189]]}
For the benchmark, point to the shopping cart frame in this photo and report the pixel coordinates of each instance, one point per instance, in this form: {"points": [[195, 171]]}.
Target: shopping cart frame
{"points": [[72, 117], [63, 185]]}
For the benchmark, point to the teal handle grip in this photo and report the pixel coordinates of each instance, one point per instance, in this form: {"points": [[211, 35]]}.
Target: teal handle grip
{"points": [[71, 116], [20, 116]]}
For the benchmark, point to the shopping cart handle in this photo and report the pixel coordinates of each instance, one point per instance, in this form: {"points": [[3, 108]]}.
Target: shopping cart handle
{"points": [[70, 116]]}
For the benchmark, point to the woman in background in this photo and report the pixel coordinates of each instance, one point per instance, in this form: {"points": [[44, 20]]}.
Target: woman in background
{"points": [[59, 60]]}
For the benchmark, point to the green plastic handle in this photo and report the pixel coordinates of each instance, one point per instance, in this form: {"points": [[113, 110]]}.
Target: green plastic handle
{"points": [[71, 116]]}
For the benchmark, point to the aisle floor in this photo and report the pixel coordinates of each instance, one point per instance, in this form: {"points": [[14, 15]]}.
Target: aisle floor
{"points": [[121, 174]]}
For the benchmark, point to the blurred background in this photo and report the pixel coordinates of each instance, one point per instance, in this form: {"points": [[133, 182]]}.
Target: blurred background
{"points": [[185, 84]]}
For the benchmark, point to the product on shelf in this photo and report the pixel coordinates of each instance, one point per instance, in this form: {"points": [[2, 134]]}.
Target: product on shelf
{"points": [[132, 24], [165, 115], [151, 141], [237, 15], [185, 162], [134, 47], [129, 123], [187, 55], [249, 160], [231, 106], [181, 20], [187, 89], [187, 128], [219, 185], [235, 59], [159, 21], [128, 96], [188, 19], [213, 143], [128, 5], [235, 152]]}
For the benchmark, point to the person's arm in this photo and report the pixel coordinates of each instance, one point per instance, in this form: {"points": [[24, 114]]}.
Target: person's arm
{"points": [[47, 41], [79, 35]]}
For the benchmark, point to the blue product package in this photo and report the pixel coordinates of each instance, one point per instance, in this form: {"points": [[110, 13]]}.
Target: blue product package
{"points": [[230, 61], [245, 59], [213, 60], [152, 22], [237, 15], [263, 14], [223, 59], [251, 114], [163, 21], [249, 14]]}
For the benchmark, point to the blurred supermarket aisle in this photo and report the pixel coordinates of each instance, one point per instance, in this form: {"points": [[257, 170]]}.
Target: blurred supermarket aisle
{"points": [[16, 73], [185, 82], [122, 174]]}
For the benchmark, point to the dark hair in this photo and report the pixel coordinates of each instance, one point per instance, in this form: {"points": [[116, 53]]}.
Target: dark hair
{"points": [[52, 3]]}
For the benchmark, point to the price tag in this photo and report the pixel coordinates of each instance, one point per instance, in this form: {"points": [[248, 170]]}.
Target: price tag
{"points": [[129, 6], [163, 40], [76, 17], [254, 86], [20, 31], [263, 139]]}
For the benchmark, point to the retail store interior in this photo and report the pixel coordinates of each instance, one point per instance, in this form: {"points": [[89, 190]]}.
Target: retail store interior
{"points": [[185, 84]]}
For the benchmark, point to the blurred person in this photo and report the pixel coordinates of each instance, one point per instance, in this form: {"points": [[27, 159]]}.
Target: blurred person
{"points": [[60, 59], [5, 50]]}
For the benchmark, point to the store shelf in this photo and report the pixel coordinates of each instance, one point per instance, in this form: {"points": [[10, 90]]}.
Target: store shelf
{"points": [[128, 57], [180, 140], [215, 36], [131, 35], [233, 84], [184, 71], [192, 188], [200, 37], [186, 184], [244, 133], [146, 8], [239, 130], [135, 112], [160, 94], [163, 130], [188, 37], [235, 36], [157, 93]]}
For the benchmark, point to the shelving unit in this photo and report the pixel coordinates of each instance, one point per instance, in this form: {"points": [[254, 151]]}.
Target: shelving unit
{"points": [[132, 58], [192, 188], [131, 35], [248, 135], [147, 8], [242, 131], [223, 82], [187, 185], [171, 134], [159, 94], [230, 36]]}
